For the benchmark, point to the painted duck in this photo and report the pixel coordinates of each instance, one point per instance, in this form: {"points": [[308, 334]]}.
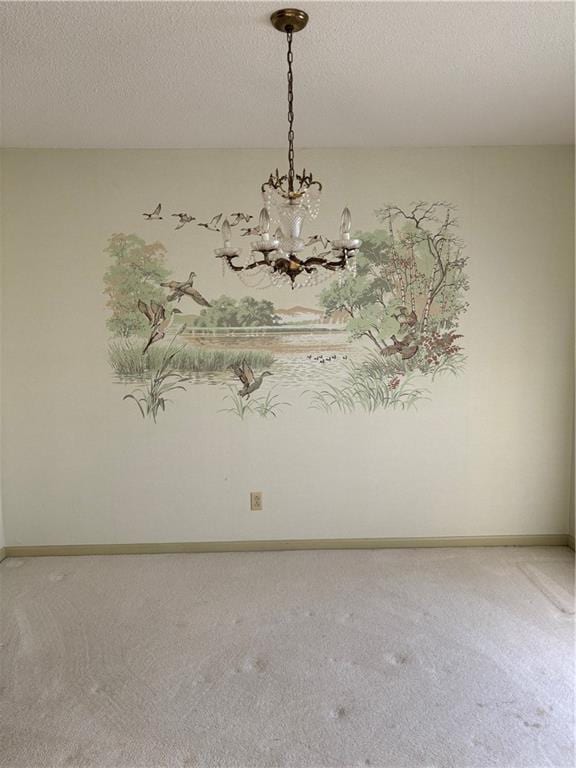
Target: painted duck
{"points": [[159, 330], [246, 375], [185, 289], [211, 225], [236, 218], [184, 218], [154, 312], [407, 320], [403, 346], [155, 215]]}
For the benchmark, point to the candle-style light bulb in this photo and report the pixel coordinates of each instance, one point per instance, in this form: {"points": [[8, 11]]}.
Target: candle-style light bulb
{"points": [[226, 233], [265, 244], [227, 252], [345, 224], [346, 246]]}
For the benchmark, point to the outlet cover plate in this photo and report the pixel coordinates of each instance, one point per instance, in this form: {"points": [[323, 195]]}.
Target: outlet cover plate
{"points": [[256, 501]]}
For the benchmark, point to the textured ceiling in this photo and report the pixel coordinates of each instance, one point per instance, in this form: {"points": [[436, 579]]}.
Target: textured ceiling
{"points": [[212, 74]]}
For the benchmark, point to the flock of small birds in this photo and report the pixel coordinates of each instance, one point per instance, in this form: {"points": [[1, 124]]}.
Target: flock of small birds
{"points": [[213, 225], [325, 358]]}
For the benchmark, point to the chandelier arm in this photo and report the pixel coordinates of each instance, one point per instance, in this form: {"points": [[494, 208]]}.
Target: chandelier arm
{"points": [[290, 59], [261, 263], [235, 268], [333, 265], [292, 265]]}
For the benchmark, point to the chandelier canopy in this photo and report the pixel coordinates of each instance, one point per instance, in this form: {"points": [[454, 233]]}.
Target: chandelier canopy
{"points": [[290, 200]]}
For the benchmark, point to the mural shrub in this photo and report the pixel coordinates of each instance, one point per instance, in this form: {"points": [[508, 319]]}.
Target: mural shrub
{"points": [[226, 312], [408, 293]]}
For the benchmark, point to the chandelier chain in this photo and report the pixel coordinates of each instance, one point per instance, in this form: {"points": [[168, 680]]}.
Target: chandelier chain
{"points": [[291, 198], [290, 59]]}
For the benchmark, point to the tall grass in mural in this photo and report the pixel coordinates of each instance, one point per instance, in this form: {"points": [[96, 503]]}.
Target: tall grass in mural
{"points": [[266, 405], [127, 360], [151, 397], [367, 386]]}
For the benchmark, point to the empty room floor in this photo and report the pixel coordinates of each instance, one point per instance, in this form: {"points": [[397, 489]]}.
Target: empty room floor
{"points": [[436, 657]]}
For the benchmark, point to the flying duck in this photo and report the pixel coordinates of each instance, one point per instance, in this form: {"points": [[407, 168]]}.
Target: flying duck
{"points": [[246, 375], [313, 239], [212, 225], [250, 232], [159, 330], [236, 218], [185, 218], [185, 289], [155, 312], [155, 215]]}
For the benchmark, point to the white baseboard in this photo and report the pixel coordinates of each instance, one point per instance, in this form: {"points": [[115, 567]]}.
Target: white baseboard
{"points": [[56, 550]]}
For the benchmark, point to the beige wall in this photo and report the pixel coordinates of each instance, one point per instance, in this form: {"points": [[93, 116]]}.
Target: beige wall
{"points": [[2, 536], [489, 453]]}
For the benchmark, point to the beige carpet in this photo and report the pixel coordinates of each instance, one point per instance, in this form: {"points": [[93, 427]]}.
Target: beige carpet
{"points": [[407, 658]]}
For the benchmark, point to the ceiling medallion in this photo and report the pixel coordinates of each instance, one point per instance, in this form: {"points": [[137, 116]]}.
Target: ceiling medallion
{"points": [[290, 199]]}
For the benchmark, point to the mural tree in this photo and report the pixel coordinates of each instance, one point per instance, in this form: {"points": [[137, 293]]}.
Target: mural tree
{"points": [[135, 273], [226, 312], [253, 312], [408, 292]]}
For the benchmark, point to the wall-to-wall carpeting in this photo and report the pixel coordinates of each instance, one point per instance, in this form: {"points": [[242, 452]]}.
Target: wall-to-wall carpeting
{"points": [[405, 658]]}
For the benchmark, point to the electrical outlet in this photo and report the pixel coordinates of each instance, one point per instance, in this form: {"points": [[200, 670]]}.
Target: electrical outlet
{"points": [[256, 501]]}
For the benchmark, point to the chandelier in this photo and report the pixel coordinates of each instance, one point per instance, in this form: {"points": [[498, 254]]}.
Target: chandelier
{"points": [[290, 200]]}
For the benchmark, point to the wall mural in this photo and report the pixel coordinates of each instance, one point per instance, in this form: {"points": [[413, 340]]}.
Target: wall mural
{"points": [[375, 337]]}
